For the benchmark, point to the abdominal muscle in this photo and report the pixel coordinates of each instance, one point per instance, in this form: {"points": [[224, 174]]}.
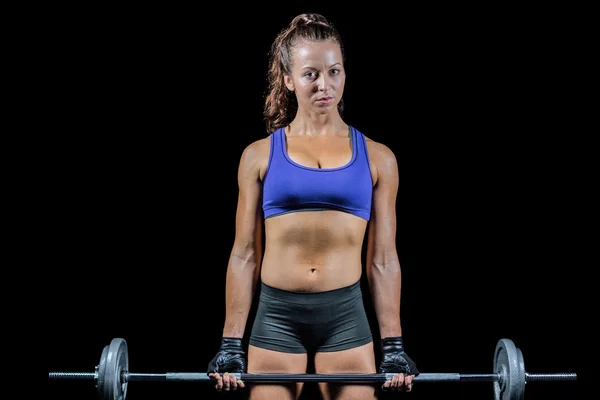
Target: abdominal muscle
{"points": [[313, 251]]}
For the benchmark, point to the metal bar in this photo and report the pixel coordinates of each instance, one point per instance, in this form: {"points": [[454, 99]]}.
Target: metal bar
{"points": [[344, 378], [72, 376], [569, 376], [347, 378], [476, 377]]}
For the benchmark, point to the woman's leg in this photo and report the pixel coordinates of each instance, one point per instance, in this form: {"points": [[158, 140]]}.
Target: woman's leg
{"points": [[346, 345], [269, 361], [357, 360]]}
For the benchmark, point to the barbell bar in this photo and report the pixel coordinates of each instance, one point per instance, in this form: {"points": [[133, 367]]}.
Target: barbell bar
{"points": [[112, 375]]}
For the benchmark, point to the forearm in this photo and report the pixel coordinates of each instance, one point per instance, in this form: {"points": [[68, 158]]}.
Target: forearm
{"points": [[385, 283], [242, 275]]}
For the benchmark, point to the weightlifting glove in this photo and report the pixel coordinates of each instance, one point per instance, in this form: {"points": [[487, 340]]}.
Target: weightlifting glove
{"points": [[229, 358], [393, 358]]}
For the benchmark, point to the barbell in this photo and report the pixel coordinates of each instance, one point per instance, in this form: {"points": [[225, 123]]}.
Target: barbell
{"points": [[112, 375]]}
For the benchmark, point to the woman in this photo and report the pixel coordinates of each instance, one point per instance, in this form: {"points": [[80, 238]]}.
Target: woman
{"points": [[316, 186]]}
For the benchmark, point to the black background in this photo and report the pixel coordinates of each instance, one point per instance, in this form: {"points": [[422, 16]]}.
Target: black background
{"points": [[146, 111]]}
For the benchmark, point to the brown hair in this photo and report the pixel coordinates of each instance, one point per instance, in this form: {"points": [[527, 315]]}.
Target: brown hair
{"points": [[280, 104]]}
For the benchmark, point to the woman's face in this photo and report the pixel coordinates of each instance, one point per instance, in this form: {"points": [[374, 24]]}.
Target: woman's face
{"points": [[317, 77]]}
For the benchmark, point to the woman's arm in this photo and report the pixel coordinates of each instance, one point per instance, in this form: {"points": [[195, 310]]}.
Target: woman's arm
{"points": [[382, 262], [246, 255]]}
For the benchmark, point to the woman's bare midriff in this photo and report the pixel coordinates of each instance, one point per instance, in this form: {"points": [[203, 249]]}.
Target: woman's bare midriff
{"points": [[313, 251]]}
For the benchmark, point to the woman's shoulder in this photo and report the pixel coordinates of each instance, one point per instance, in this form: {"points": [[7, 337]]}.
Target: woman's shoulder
{"points": [[382, 159], [379, 150], [256, 151], [258, 146]]}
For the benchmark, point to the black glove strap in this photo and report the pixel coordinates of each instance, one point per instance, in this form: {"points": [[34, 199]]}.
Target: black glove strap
{"points": [[394, 359], [229, 358]]}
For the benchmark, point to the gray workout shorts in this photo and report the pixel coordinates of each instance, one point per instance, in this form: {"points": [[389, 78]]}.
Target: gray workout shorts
{"points": [[301, 322]]}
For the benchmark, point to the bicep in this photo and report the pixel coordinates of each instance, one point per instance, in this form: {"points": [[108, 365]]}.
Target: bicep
{"points": [[382, 229], [249, 213]]}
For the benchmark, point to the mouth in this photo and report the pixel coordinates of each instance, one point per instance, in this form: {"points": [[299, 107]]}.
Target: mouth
{"points": [[325, 100]]}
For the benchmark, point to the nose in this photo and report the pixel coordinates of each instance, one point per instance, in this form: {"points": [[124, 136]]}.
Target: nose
{"points": [[323, 82]]}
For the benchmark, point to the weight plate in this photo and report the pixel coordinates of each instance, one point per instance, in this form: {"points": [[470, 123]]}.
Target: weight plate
{"points": [[117, 362], [101, 373], [508, 364], [522, 380]]}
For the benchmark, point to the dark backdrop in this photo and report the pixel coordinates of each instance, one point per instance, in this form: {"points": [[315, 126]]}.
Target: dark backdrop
{"points": [[148, 109]]}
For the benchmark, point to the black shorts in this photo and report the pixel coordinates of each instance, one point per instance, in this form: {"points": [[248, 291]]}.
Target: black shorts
{"points": [[301, 322]]}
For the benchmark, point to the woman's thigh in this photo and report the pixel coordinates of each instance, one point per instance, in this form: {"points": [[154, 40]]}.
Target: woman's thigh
{"points": [[269, 361], [357, 360]]}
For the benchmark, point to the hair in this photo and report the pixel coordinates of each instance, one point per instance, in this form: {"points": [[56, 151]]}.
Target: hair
{"points": [[280, 103]]}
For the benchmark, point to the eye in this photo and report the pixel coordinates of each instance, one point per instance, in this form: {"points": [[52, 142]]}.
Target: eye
{"points": [[335, 71], [310, 74]]}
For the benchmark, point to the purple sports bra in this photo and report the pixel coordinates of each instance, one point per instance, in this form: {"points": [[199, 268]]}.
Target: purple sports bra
{"points": [[290, 187]]}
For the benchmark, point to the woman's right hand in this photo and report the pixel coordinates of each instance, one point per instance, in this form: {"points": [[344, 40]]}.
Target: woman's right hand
{"points": [[228, 361]]}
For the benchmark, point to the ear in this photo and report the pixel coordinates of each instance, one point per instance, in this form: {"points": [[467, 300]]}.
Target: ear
{"points": [[288, 82]]}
